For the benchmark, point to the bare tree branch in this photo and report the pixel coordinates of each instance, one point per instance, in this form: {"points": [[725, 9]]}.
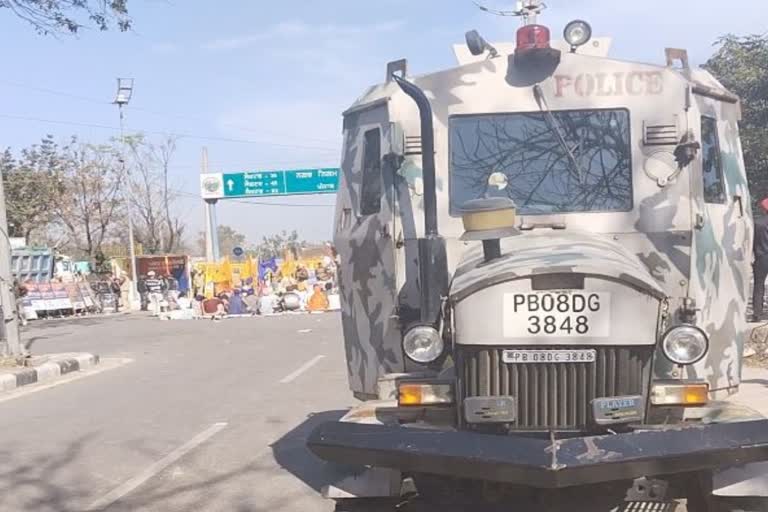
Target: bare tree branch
{"points": [[151, 196], [69, 16]]}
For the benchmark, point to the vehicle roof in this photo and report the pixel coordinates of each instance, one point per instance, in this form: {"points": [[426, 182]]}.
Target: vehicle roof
{"points": [[383, 91]]}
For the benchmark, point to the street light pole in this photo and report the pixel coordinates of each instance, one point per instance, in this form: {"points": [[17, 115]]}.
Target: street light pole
{"points": [[124, 93]]}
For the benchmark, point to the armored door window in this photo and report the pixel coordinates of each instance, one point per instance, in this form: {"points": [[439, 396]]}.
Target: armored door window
{"points": [[370, 195], [712, 167]]}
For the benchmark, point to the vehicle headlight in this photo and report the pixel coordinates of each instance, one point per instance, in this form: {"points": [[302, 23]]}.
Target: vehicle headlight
{"points": [[423, 344], [577, 33], [685, 344]]}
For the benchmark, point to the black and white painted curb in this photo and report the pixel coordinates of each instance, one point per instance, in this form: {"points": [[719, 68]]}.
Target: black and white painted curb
{"points": [[47, 372]]}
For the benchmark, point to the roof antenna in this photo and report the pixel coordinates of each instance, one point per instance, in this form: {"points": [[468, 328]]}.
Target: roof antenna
{"points": [[528, 10]]}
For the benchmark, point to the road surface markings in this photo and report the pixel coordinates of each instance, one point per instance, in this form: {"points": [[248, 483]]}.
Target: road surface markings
{"points": [[108, 363], [130, 485], [309, 364]]}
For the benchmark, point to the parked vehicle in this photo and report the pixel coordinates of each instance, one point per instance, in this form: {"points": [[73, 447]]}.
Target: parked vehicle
{"points": [[572, 334], [40, 264]]}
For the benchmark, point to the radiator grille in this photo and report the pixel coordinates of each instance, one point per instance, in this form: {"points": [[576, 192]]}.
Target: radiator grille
{"points": [[554, 396]]}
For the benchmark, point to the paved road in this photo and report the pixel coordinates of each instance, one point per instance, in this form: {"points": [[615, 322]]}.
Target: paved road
{"points": [[207, 416]]}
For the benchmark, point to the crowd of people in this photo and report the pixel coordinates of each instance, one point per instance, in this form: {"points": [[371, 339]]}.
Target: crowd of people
{"points": [[307, 289]]}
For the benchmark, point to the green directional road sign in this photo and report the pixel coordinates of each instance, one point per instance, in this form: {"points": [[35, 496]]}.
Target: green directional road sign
{"points": [[270, 183]]}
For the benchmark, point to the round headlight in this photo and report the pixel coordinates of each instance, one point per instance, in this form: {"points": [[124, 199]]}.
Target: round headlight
{"points": [[685, 344], [577, 33], [423, 344]]}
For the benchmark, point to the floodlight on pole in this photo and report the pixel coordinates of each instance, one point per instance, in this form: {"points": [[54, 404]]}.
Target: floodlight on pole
{"points": [[123, 96], [124, 91]]}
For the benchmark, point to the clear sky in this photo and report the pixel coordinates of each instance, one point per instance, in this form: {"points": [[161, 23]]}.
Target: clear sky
{"points": [[262, 83]]}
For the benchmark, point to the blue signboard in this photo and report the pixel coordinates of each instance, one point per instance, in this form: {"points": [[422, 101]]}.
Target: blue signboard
{"points": [[270, 183]]}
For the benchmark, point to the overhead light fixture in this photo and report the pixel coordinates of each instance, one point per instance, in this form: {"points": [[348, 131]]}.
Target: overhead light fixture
{"points": [[124, 91], [577, 33]]}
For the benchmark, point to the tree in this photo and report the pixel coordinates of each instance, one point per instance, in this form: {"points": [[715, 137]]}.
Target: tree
{"points": [[276, 245], [31, 185], [229, 238], [68, 197], [90, 202], [69, 16], [151, 196], [741, 65]]}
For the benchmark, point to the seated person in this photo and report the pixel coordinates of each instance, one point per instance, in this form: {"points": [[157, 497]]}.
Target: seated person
{"points": [[302, 290], [323, 273], [214, 308], [302, 274], [171, 304], [224, 298], [251, 302], [183, 301], [236, 304], [267, 303], [248, 285], [318, 301]]}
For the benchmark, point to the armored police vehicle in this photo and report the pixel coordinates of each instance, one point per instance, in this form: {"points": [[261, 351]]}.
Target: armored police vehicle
{"points": [[545, 256]]}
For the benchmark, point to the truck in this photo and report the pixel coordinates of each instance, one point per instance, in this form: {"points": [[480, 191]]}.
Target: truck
{"points": [[544, 267], [40, 264]]}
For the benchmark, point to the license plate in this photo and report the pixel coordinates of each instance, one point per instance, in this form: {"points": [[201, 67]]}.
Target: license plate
{"points": [[557, 314], [549, 356]]}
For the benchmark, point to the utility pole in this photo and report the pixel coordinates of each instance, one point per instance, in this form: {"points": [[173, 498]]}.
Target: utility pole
{"points": [[211, 224], [10, 340], [207, 206], [124, 93]]}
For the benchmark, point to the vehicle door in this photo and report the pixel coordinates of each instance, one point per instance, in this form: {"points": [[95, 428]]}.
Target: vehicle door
{"points": [[364, 241], [721, 244]]}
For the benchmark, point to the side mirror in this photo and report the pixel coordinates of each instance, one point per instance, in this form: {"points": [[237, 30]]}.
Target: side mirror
{"points": [[475, 42]]}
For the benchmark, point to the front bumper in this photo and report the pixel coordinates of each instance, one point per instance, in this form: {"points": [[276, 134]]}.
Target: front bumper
{"points": [[543, 463]]}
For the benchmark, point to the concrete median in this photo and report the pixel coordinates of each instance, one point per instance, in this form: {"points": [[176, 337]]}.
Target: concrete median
{"points": [[46, 368]]}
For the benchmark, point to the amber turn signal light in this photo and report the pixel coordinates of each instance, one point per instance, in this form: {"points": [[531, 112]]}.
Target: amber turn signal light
{"points": [[684, 394], [423, 393]]}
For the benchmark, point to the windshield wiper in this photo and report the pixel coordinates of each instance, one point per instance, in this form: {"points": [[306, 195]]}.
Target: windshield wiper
{"points": [[555, 126]]}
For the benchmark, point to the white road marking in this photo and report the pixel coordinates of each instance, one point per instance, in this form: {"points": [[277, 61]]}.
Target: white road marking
{"points": [[309, 364], [130, 485], [104, 365]]}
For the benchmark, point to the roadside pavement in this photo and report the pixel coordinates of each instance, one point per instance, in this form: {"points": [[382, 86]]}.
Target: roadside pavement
{"points": [[753, 391]]}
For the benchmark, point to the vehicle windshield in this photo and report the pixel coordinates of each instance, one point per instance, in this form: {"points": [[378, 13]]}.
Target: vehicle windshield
{"points": [[520, 156]]}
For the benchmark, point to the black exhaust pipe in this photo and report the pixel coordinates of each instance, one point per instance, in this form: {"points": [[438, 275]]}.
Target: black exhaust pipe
{"points": [[433, 266]]}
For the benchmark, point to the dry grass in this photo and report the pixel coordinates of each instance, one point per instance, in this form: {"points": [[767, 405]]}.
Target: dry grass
{"points": [[758, 341], [11, 362]]}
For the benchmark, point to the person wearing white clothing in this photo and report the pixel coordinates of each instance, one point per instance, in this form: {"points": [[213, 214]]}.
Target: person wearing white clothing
{"points": [[155, 288]]}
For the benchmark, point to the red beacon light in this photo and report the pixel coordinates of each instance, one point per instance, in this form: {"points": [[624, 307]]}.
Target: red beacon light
{"points": [[533, 48], [532, 37]]}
